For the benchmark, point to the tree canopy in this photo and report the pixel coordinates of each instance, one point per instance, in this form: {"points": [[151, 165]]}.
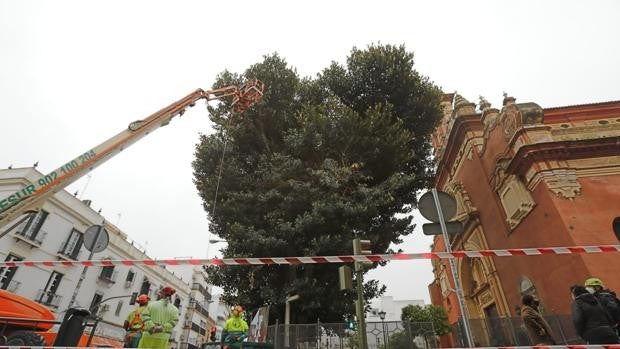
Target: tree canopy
{"points": [[430, 313], [316, 163]]}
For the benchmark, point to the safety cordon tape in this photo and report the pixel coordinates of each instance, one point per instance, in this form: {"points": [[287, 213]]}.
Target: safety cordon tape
{"points": [[601, 346], [323, 259], [27, 347]]}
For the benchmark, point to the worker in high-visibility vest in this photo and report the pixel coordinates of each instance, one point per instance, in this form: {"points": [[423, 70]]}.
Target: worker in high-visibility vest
{"points": [[235, 328], [159, 317], [134, 323]]}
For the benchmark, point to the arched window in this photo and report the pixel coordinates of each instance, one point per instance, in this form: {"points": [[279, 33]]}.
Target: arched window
{"points": [[616, 227]]}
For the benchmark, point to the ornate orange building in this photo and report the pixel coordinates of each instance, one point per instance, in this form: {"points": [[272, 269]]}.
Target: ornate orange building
{"points": [[525, 176]]}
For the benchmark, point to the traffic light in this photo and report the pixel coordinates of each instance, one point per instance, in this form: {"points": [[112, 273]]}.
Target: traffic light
{"points": [[351, 324], [212, 335], [361, 247]]}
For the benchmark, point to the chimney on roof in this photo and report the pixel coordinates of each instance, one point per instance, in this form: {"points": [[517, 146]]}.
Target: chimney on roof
{"points": [[87, 202]]}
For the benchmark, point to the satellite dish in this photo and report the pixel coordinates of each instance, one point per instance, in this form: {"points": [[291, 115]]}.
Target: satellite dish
{"points": [[96, 238], [427, 207]]}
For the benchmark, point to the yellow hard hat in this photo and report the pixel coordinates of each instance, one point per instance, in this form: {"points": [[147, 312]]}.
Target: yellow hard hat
{"points": [[594, 282]]}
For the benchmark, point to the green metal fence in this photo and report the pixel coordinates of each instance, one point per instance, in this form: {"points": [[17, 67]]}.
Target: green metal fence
{"points": [[510, 331], [381, 335]]}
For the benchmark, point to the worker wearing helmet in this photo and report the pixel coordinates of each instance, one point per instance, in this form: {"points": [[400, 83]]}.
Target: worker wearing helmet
{"points": [[160, 317], [134, 323], [607, 298], [235, 325]]}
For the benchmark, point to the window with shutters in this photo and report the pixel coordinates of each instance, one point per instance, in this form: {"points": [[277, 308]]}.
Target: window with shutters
{"points": [[47, 295], [7, 274], [96, 302], [119, 307], [73, 244], [108, 274], [33, 226], [131, 276]]}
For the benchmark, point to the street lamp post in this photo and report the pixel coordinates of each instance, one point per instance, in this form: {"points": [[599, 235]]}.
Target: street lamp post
{"points": [[287, 317], [213, 241], [382, 317]]}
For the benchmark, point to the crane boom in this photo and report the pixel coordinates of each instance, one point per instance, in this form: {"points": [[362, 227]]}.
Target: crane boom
{"points": [[32, 196]]}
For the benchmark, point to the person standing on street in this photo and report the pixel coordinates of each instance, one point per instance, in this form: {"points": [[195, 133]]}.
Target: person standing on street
{"points": [[134, 323], [607, 298], [537, 327], [159, 317], [592, 322]]}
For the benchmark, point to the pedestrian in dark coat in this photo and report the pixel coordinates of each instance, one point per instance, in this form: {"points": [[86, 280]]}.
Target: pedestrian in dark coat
{"points": [[537, 327], [607, 298], [592, 322]]}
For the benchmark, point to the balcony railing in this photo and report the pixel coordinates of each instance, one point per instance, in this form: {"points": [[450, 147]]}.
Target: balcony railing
{"points": [[13, 286], [48, 298], [70, 253], [198, 307], [129, 283], [33, 241], [198, 287]]}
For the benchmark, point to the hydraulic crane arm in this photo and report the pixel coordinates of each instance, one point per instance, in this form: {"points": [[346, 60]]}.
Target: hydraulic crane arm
{"points": [[32, 196]]}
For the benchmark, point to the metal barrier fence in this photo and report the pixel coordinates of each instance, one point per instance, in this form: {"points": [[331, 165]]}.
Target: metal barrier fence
{"points": [[510, 331], [381, 335]]}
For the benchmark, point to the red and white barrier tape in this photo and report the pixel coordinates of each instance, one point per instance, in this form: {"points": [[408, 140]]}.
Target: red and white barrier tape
{"points": [[27, 347], [608, 346], [324, 259], [601, 346]]}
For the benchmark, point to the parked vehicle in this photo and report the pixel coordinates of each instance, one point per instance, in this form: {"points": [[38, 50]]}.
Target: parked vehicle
{"points": [[24, 322]]}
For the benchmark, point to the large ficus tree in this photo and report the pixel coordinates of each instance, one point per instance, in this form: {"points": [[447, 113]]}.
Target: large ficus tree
{"points": [[316, 163]]}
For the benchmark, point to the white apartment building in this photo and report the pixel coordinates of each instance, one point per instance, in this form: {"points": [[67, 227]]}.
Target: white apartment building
{"points": [[197, 322], [56, 233], [392, 308]]}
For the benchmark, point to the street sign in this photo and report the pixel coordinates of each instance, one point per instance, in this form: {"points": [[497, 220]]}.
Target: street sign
{"points": [[96, 238], [454, 227], [427, 207]]}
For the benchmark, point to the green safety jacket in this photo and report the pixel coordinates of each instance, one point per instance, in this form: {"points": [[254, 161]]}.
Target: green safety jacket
{"points": [[163, 313], [236, 324]]}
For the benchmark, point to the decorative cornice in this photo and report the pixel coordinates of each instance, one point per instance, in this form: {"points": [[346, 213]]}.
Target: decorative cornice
{"points": [[564, 150], [582, 112]]}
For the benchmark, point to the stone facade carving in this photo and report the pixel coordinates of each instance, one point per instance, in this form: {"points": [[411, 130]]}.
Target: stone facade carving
{"points": [[463, 107], [516, 200], [509, 117], [500, 174], [465, 206], [562, 182], [515, 116], [514, 196]]}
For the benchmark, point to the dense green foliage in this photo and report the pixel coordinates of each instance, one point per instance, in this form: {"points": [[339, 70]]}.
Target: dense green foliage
{"points": [[316, 162], [430, 313]]}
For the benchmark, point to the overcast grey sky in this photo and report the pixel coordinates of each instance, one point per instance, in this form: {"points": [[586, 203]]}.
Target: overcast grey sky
{"points": [[73, 73]]}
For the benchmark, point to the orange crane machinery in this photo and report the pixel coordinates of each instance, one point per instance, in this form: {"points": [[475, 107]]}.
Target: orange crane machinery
{"points": [[30, 198]]}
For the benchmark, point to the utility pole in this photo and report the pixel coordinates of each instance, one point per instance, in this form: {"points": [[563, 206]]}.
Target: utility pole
{"points": [[361, 247], [455, 274]]}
